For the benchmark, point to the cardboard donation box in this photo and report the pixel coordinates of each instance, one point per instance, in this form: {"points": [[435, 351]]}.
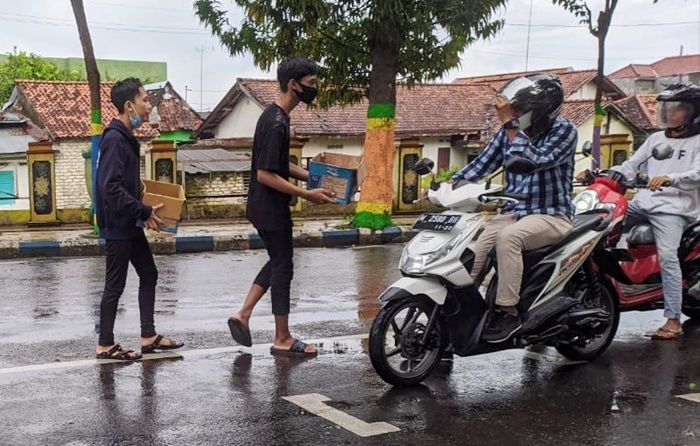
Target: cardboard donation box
{"points": [[172, 196], [341, 174]]}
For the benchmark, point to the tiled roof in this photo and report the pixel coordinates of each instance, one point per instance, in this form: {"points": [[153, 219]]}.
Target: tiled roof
{"points": [[640, 109], [63, 108], [571, 80], [429, 109], [508, 76], [173, 111], [633, 70], [668, 66], [577, 112]]}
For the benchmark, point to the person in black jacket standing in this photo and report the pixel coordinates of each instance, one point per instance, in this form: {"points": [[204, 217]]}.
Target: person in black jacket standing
{"points": [[119, 209]]}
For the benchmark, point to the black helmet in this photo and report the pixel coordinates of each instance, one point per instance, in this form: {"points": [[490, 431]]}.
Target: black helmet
{"points": [[538, 98], [684, 98]]}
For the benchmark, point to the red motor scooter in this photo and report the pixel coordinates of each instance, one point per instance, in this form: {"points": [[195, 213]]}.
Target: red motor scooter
{"points": [[634, 273]]}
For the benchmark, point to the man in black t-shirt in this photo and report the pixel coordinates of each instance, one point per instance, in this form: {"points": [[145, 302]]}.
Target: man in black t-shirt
{"points": [[269, 197]]}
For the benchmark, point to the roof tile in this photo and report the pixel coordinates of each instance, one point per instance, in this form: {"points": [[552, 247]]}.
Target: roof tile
{"points": [[63, 108]]}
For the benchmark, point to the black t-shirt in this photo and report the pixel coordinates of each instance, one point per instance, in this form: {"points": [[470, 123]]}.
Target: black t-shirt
{"points": [[267, 208]]}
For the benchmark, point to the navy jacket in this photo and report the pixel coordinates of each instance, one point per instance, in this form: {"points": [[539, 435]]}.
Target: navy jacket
{"points": [[118, 199]]}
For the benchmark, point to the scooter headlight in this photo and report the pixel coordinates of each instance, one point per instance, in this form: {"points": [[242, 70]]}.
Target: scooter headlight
{"points": [[416, 264], [585, 201]]}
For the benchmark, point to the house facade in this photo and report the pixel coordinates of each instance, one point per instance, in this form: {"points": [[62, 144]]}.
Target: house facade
{"points": [[61, 110], [449, 123]]}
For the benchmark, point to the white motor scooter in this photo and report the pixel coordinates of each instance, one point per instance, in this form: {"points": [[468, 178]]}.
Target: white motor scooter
{"points": [[437, 303]]}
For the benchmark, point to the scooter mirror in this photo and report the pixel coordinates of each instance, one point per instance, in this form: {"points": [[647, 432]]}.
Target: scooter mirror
{"points": [[662, 151], [424, 166], [519, 165], [587, 149]]}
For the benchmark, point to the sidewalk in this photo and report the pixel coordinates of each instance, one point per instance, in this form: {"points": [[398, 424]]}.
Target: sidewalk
{"points": [[192, 237]]}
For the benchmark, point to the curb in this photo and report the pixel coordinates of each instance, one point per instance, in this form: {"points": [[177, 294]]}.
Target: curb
{"points": [[207, 243]]}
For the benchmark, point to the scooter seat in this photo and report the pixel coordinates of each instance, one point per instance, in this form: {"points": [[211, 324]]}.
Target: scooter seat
{"points": [[582, 224], [642, 234]]}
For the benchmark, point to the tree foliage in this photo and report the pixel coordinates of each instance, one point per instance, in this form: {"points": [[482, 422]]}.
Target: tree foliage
{"points": [[20, 65], [426, 36]]}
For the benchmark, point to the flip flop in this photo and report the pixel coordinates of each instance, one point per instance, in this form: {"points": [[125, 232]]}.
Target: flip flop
{"points": [[156, 345], [239, 332], [117, 353], [673, 334], [297, 350]]}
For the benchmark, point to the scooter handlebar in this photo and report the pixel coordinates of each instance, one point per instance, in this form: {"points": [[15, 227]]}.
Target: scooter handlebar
{"points": [[501, 196]]}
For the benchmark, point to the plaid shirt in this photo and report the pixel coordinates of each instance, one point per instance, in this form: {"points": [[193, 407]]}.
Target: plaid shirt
{"points": [[548, 190]]}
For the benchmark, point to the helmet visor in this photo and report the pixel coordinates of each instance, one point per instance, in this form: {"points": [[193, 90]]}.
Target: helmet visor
{"points": [[674, 114], [510, 89]]}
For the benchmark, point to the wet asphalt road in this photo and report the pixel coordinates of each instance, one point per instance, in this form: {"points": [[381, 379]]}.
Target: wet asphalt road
{"points": [[627, 397]]}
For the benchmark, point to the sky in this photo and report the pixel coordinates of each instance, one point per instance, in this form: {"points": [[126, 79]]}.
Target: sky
{"points": [[168, 31]]}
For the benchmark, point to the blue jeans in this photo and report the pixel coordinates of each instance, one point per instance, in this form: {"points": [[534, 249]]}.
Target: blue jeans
{"points": [[668, 231]]}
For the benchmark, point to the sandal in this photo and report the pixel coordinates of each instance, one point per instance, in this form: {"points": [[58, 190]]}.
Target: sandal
{"points": [[117, 353], [668, 336], [297, 350], [156, 345], [239, 332]]}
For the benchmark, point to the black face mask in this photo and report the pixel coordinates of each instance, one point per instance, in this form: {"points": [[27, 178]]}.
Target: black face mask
{"points": [[308, 94]]}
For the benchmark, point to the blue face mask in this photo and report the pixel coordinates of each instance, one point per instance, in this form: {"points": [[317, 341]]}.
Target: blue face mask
{"points": [[136, 121]]}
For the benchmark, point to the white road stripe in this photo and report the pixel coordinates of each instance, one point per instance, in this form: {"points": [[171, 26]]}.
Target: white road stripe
{"points": [[314, 403], [694, 397], [551, 359], [255, 349]]}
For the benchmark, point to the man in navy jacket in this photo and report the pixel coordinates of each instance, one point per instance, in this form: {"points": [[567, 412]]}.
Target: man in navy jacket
{"points": [[119, 211]]}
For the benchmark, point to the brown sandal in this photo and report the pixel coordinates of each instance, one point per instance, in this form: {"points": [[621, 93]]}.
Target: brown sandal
{"points": [[669, 336], [117, 353], [156, 345]]}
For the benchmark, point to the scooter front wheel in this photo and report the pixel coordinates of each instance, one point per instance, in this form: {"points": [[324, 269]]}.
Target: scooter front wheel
{"points": [[399, 349]]}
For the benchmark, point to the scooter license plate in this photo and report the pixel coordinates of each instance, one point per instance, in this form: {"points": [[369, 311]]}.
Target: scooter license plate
{"points": [[436, 222]]}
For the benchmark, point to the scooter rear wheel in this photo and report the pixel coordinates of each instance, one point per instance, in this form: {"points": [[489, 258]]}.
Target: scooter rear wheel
{"points": [[395, 348], [600, 343]]}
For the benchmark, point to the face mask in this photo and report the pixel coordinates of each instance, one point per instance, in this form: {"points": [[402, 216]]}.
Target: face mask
{"points": [[308, 94], [136, 120]]}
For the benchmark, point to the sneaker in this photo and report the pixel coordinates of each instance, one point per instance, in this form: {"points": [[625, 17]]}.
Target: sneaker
{"points": [[501, 327]]}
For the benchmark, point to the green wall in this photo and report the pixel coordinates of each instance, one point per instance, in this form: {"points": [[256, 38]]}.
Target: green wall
{"points": [[177, 135], [110, 69]]}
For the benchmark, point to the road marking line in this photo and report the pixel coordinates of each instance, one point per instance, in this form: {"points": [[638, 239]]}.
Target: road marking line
{"points": [[694, 397], [551, 359], [255, 349], [314, 403]]}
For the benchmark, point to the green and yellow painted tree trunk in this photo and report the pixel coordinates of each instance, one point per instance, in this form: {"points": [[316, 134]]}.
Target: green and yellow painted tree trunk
{"points": [[374, 209]]}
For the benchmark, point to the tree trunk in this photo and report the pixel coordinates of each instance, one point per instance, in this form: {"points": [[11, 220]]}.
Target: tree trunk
{"points": [[604, 19], [374, 209], [93, 76]]}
